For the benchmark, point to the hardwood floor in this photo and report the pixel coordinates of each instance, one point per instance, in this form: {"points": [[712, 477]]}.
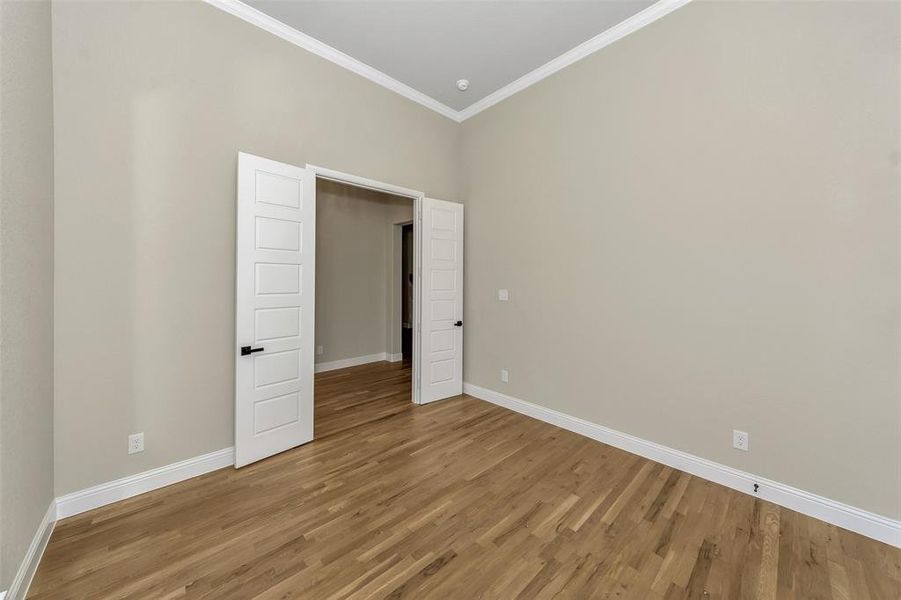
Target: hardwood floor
{"points": [[457, 499]]}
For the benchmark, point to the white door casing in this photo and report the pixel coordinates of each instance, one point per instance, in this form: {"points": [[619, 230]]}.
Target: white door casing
{"points": [[275, 278], [441, 302]]}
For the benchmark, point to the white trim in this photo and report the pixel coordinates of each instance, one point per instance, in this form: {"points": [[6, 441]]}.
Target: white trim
{"points": [[349, 362], [310, 44], [126, 487], [863, 522], [364, 182], [620, 30], [659, 9], [18, 589], [390, 358]]}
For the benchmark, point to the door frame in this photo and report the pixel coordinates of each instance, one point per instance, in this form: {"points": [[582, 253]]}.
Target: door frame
{"points": [[417, 197]]}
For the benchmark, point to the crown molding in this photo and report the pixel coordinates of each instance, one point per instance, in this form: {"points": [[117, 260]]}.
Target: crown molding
{"points": [[310, 44], [659, 9]]}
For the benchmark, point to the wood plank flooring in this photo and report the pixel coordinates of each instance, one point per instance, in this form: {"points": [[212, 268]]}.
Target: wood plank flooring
{"points": [[457, 499]]}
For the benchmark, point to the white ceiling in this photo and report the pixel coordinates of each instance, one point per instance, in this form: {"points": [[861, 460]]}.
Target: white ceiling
{"points": [[430, 44]]}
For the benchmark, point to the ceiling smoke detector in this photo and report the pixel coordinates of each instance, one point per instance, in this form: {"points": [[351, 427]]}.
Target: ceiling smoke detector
{"points": [[462, 84]]}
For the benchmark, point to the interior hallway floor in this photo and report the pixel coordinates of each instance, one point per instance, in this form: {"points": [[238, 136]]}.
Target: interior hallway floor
{"points": [[456, 499]]}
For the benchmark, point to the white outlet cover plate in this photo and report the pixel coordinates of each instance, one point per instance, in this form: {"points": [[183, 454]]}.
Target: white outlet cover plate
{"points": [[740, 440], [503, 295], [135, 443]]}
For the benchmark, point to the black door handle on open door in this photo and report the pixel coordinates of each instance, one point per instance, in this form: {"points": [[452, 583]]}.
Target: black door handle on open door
{"points": [[458, 324], [245, 350]]}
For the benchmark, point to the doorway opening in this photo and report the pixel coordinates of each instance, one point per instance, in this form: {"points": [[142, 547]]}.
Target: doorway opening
{"points": [[406, 288], [364, 305], [275, 303], [288, 342]]}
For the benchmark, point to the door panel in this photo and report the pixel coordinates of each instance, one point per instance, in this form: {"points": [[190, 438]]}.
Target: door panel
{"points": [[276, 323], [441, 332], [275, 262]]}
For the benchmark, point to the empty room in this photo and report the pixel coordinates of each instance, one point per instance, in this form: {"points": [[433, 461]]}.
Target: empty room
{"points": [[450, 299]]}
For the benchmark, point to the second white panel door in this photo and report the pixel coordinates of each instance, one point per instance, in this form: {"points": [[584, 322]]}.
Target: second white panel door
{"points": [[441, 301]]}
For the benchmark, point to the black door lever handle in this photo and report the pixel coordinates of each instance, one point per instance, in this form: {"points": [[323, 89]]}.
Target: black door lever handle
{"points": [[245, 350], [458, 324]]}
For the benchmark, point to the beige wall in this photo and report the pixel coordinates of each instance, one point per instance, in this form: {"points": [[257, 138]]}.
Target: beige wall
{"points": [[357, 305], [26, 278], [153, 101], [699, 228]]}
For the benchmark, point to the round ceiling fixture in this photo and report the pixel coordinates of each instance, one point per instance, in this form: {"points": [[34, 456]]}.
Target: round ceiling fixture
{"points": [[462, 84]]}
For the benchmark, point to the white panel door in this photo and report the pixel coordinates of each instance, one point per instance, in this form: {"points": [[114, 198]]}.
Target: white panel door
{"points": [[276, 229], [441, 330]]}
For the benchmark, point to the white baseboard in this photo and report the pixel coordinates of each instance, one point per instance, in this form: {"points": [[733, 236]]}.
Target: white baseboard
{"points": [[391, 358], [126, 487], [22, 580], [860, 521], [350, 362]]}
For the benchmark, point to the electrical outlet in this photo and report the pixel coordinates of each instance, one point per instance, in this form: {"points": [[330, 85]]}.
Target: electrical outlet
{"points": [[135, 443], [505, 375], [503, 295], [740, 440], [319, 350]]}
